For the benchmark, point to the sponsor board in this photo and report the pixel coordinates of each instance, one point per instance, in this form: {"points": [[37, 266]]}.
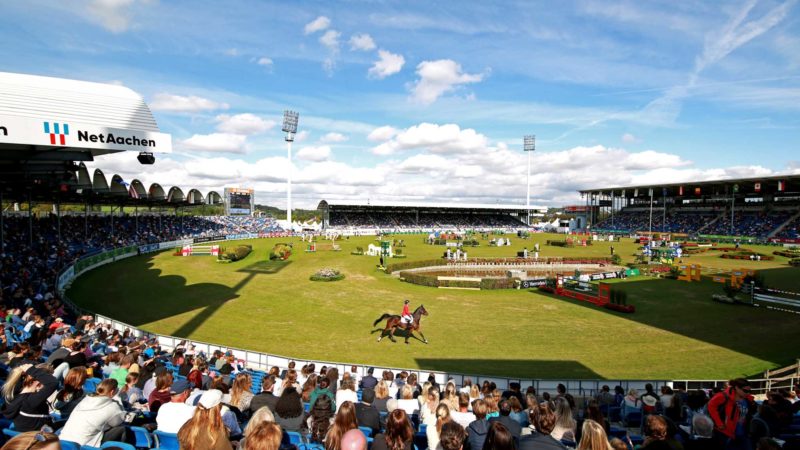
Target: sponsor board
{"points": [[148, 248], [533, 282]]}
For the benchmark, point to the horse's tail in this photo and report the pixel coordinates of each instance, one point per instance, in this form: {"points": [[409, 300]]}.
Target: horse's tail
{"points": [[385, 315]]}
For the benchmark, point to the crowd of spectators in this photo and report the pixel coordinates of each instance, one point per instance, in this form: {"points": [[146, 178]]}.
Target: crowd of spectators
{"points": [[791, 230], [410, 221], [746, 223]]}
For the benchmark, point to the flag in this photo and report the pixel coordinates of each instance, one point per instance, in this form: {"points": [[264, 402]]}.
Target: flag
{"points": [[781, 186], [697, 191], [651, 192], [735, 188], [757, 187], [680, 191], [636, 192]]}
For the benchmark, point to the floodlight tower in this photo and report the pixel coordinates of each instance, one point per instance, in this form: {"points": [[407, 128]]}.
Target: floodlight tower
{"points": [[290, 128], [529, 146]]}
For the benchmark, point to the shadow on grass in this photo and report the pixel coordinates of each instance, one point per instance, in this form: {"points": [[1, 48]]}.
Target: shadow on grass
{"points": [[524, 368], [265, 267], [687, 309]]}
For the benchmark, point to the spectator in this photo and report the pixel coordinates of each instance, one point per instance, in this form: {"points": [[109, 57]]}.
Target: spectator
{"points": [[514, 390], [206, 429], [309, 386], [321, 418], [240, 391], [381, 396], [565, 426], [605, 397], [618, 444], [265, 436], [289, 412], [666, 397], [369, 381], [366, 414], [322, 389], [452, 436], [511, 425], [265, 397], [593, 413], [407, 402], [33, 440], [476, 431], [463, 416], [399, 434], [129, 393], [26, 391], [649, 400], [72, 393], [499, 438], [160, 394], [543, 421], [593, 436], [656, 434], [562, 392], [723, 410], [433, 430], [764, 424], [171, 416], [97, 418], [344, 421], [346, 393], [121, 372], [333, 378], [261, 415]]}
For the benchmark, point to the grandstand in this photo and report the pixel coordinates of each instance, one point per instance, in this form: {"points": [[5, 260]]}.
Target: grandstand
{"points": [[766, 208], [409, 216]]}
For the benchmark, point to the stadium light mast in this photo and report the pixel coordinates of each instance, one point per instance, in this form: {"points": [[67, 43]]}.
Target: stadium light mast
{"points": [[290, 128], [529, 146]]}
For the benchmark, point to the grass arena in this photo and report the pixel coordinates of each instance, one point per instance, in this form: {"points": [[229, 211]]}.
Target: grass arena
{"points": [[677, 331]]}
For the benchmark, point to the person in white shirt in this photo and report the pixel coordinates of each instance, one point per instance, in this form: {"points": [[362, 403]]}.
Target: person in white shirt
{"points": [[346, 392], [96, 416], [171, 416], [407, 401], [463, 417]]}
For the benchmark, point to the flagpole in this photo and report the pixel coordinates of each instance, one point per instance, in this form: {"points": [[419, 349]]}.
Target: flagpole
{"points": [[651, 214], [733, 204]]}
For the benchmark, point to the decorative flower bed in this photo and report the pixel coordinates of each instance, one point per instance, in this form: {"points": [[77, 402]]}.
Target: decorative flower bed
{"points": [[747, 255], [327, 274], [235, 254], [281, 252]]}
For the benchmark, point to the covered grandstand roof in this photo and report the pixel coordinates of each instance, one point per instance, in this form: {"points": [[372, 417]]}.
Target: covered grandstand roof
{"points": [[760, 185], [422, 205]]}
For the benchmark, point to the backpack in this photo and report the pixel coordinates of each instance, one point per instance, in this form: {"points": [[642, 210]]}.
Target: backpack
{"points": [[321, 413]]}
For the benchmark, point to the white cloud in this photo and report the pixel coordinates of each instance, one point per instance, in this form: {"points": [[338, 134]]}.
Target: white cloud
{"points": [[330, 40], [333, 137], [216, 142], [383, 133], [318, 24], [302, 135], [630, 139], [180, 103], [312, 153], [362, 42], [245, 124], [439, 77], [232, 52], [387, 64], [449, 138], [113, 15], [264, 61]]}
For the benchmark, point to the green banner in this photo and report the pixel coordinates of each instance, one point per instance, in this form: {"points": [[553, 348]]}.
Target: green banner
{"points": [[90, 261]]}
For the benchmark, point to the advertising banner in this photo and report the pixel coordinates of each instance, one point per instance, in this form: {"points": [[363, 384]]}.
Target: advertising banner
{"points": [[533, 282], [148, 248], [37, 132]]}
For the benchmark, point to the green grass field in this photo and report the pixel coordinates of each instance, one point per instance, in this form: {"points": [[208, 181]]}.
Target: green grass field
{"points": [[676, 333]]}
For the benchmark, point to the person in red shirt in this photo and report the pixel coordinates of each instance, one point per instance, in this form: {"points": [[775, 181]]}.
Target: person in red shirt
{"points": [[724, 411], [406, 315]]}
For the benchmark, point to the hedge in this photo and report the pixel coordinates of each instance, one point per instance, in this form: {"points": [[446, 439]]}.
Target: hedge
{"points": [[237, 253], [281, 251], [433, 281], [795, 262], [405, 265], [746, 255], [788, 253]]}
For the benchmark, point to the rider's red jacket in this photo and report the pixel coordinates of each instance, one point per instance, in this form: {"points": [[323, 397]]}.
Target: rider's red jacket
{"points": [[406, 312]]}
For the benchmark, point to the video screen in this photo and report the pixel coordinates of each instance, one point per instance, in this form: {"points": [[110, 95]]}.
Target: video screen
{"points": [[240, 201]]}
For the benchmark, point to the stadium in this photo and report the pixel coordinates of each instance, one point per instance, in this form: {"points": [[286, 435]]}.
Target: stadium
{"points": [[113, 288]]}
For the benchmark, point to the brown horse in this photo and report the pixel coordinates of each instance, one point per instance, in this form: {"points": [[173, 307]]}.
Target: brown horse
{"points": [[393, 322]]}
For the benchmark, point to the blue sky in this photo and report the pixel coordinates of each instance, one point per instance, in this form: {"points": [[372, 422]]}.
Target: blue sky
{"points": [[421, 101]]}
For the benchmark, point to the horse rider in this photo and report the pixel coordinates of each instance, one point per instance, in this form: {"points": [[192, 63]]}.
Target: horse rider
{"points": [[405, 317]]}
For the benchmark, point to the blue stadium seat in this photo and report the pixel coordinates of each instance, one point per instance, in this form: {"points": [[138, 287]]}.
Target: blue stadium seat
{"points": [[294, 437], [69, 445], [167, 441], [143, 437], [90, 385], [366, 430], [120, 445], [9, 432]]}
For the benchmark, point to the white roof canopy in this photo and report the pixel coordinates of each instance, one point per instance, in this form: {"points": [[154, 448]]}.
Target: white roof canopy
{"points": [[45, 113]]}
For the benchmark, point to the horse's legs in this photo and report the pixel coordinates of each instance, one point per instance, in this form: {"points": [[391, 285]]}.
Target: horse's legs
{"points": [[380, 336], [391, 333], [423, 337]]}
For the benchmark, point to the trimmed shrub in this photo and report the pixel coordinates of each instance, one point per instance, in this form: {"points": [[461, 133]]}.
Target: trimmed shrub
{"points": [[498, 283], [795, 262], [237, 253], [396, 267], [470, 243], [788, 253], [280, 252], [327, 274]]}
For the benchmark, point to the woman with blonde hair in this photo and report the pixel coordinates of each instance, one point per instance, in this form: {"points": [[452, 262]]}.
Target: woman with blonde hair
{"points": [[475, 393], [240, 391], [423, 394], [261, 416], [491, 405], [346, 393], [265, 436], [26, 391], [450, 397], [433, 432], [344, 421], [381, 396], [565, 427], [205, 430], [429, 403], [593, 437], [407, 402], [33, 440]]}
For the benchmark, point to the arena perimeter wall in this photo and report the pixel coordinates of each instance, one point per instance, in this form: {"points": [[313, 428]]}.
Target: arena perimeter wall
{"points": [[263, 361]]}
